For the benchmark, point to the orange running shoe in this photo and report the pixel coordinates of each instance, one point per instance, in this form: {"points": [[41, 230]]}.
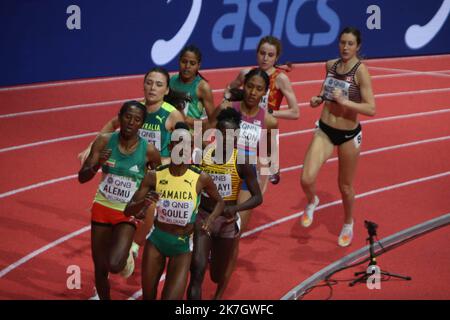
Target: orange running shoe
{"points": [[308, 215]]}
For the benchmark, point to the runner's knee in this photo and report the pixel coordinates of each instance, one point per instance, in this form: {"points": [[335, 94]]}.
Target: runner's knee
{"points": [[198, 272], [307, 179], [116, 264], [346, 189]]}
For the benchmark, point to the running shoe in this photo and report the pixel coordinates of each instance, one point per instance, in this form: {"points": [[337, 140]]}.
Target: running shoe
{"points": [[95, 296], [135, 250], [308, 215], [346, 236], [129, 267]]}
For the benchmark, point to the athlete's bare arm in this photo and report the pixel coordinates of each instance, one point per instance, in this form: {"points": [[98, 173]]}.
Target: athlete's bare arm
{"points": [[284, 84]]}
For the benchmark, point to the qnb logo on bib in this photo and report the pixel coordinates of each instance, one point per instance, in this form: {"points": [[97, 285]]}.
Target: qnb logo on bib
{"points": [[175, 212], [417, 36], [153, 137], [118, 188], [163, 51], [331, 84], [249, 135], [223, 184]]}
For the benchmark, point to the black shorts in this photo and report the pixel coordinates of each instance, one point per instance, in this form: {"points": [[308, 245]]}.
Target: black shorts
{"points": [[338, 136], [221, 229]]}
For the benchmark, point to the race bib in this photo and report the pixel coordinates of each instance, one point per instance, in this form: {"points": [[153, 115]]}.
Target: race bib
{"points": [[153, 137], [265, 100], [331, 84], [117, 188], [358, 140], [223, 184], [175, 212], [249, 135]]}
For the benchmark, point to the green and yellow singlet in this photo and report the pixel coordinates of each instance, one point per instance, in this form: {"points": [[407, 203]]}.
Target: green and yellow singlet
{"points": [[122, 174], [178, 199], [154, 128], [225, 176]]}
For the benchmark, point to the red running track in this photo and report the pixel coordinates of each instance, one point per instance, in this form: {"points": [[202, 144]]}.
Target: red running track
{"points": [[407, 141]]}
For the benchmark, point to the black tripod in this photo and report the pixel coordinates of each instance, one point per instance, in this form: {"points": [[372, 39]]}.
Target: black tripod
{"points": [[364, 275]]}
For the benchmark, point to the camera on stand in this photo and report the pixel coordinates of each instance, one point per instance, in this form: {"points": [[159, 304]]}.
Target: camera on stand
{"points": [[364, 275], [371, 228]]}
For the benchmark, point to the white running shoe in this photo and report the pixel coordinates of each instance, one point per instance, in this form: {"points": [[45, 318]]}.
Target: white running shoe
{"points": [[135, 250], [346, 236], [129, 267], [308, 215], [95, 296]]}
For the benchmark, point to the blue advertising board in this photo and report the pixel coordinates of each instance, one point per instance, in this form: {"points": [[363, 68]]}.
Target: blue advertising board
{"points": [[48, 40]]}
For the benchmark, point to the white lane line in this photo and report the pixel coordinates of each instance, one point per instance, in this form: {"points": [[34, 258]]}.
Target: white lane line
{"points": [[285, 134], [404, 145], [394, 147], [402, 93], [337, 202], [35, 253], [298, 83], [419, 58], [381, 76], [364, 122], [101, 80], [36, 185], [40, 143], [434, 73], [205, 71], [57, 109], [114, 102], [137, 294], [49, 246], [70, 82]]}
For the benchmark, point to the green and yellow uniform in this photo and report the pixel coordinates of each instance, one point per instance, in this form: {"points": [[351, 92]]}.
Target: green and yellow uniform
{"points": [[225, 176], [122, 175], [193, 109], [228, 182], [154, 128], [178, 205]]}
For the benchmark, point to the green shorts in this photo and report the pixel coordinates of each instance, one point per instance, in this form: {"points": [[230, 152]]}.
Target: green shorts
{"points": [[170, 244]]}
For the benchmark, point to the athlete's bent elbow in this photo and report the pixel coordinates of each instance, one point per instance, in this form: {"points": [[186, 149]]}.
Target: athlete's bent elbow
{"points": [[372, 111], [369, 110], [82, 179], [259, 200]]}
